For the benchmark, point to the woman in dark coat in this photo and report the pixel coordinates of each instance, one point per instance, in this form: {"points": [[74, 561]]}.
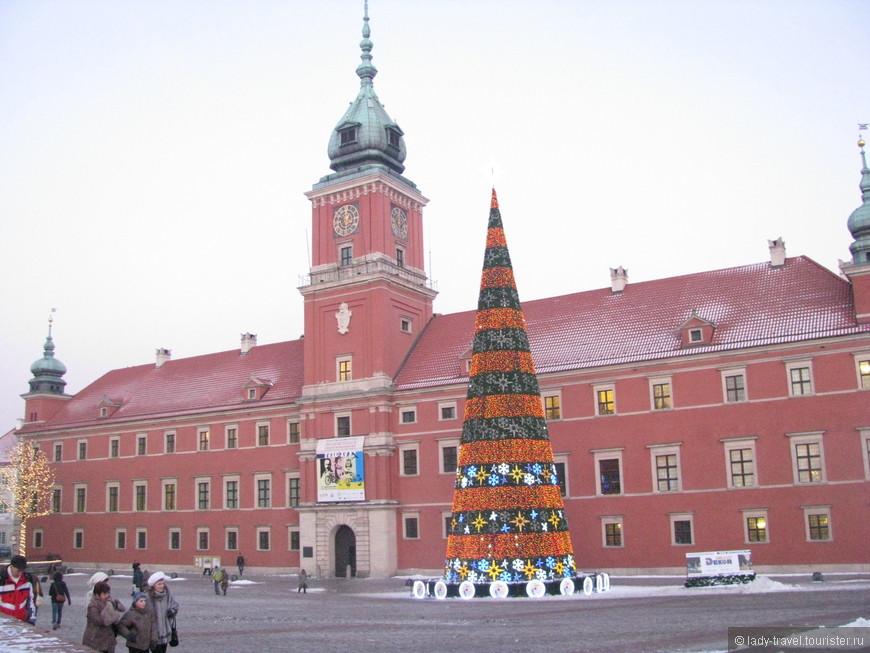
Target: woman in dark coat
{"points": [[163, 608], [103, 611], [135, 625], [59, 594]]}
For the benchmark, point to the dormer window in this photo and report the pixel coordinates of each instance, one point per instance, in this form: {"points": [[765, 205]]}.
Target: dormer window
{"points": [[393, 136], [104, 412], [696, 335], [252, 393], [256, 388], [696, 331], [348, 135]]}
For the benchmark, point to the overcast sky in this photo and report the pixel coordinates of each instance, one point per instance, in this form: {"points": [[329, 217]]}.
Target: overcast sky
{"points": [[154, 154]]}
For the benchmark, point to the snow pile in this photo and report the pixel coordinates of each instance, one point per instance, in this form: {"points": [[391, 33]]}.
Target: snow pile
{"points": [[860, 622], [763, 584]]}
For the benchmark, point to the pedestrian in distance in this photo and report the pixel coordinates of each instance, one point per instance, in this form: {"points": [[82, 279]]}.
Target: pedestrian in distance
{"points": [[225, 581], [138, 578], [217, 576], [163, 608], [135, 625], [303, 582], [18, 590], [103, 613], [240, 562], [58, 592]]}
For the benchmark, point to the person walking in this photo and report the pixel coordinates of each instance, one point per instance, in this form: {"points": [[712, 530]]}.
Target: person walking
{"points": [[58, 592], [135, 625], [138, 578], [163, 608], [18, 591], [303, 582], [217, 576], [225, 581], [240, 562], [103, 613]]}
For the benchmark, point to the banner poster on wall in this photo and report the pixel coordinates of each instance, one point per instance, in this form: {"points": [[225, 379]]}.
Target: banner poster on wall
{"points": [[340, 469]]}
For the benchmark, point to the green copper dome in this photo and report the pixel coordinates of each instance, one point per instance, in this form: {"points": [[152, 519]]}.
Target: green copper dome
{"points": [[366, 134], [859, 221], [48, 371]]}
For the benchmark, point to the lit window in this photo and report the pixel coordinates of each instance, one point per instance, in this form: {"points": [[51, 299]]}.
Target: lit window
{"points": [[818, 523], [612, 531], [756, 526], [609, 473], [863, 366], [169, 495], [808, 458], [552, 407], [344, 369], [661, 394], [605, 399], [740, 462]]}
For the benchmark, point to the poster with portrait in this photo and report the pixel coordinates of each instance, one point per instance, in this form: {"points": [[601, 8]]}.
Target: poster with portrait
{"points": [[340, 469]]}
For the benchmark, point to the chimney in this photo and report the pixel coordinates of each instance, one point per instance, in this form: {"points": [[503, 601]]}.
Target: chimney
{"points": [[163, 355], [777, 252], [249, 341], [618, 279]]}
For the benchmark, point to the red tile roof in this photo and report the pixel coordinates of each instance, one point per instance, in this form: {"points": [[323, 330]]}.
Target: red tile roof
{"points": [[752, 305], [187, 386]]}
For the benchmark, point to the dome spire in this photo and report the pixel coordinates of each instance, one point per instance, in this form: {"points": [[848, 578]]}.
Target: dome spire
{"points": [[48, 371], [366, 70], [859, 221]]}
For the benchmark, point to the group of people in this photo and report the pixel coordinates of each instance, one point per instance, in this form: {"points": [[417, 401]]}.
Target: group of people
{"points": [[148, 626]]}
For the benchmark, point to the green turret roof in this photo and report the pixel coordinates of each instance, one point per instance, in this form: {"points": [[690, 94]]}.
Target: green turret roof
{"points": [[859, 221], [48, 371]]}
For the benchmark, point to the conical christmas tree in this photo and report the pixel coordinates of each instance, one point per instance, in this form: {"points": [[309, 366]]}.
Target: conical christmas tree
{"points": [[508, 520]]}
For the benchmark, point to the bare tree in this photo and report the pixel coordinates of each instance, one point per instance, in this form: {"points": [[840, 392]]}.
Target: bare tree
{"points": [[26, 482]]}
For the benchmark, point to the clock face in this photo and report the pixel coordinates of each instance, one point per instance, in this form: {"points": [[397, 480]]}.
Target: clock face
{"points": [[400, 222], [345, 220]]}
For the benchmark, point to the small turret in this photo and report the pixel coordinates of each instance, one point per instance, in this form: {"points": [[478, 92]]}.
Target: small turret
{"points": [[48, 371], [858, 269]]}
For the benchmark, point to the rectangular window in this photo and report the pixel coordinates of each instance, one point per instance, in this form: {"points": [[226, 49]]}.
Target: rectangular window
{"points": [[400, 257], [681, 530], [83, 450], [609, 476], [346, 254], [112, 499], [294, 539], [735, 387], [78, 538], [661, 394], [37, 539], [552, 407], [800, 378], [120, 539], [612, 531], [141, 539], [412, 530], [232, 434], [405, 325], [605, 400], [264, 493], [203, 490], [58, 452], [231, 494], [174, 539], [695, 335], [809, 462], [342, 426], [741, 467], [263, 539], [202, 539], [140, 490], [344, 369], [203, 439], [55, 500], [169, 495], [81, 499], [141, 445], [293, 490], [756, 529], [449, 457], [293, 433], [263, 435], [252, 393], [447, 411], [667, 473], [447, 521], [818, 523], [409, 462], [114, 448], [863, 363], [169, 442], [409, 415], [561, 470], [232, 540]]}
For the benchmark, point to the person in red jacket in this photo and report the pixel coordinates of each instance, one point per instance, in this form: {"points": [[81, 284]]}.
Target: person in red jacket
{"points": [[17, 592]]}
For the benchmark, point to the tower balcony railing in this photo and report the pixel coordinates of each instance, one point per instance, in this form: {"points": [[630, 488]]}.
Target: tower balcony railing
{"points": [[365, 267]]}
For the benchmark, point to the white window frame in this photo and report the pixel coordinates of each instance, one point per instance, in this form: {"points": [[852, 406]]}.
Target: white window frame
{"points": [[38, 538], [117, 486], [166, 436], [58, 449], [203, 430], [817, 510], [199, 531], [864, 434], [442, 405], [403, 321], [136, 485], [338, 416], [661, 380], [608, 454], [445, 531], [76, 488], [696, 335], [169, 539], [755, 513], [202, 480], [121, 531], [732, 372], [287, 478], [801, 364], [227, 531], [79, 444], [562, 459], [227, 429], [612, 519], [445, 444], [268, 531], [815, 437], [549, 394], [116, 441], [410, 514], [140, 532], [344, 358], [408, 410], [605, 387], [734, 444], [164, 483], [257, 427], [859, 358], [298, 424], [232, 478], [271, 499], [670, 449], [674, 517], [409, 446], [290, 531], [78, 538], [141, 444]]}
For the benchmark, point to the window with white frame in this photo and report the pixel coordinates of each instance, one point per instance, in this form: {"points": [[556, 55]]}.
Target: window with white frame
{"points": [[141, 538], [203, 436], [408, 456], [120, 538], [202, 539], [611, 531], [231, 492], [411, 521], [294, 490], [862, 367], [446, 523], [800, 378], [560, 468], [807, 457], [342, 426], [174, 539], [141, 444], [754, 526], [293, 538], [263, 434], [608, 471], [740, 462], [661, 396], [231, 436], [446, 410], [81, 491], [665, 461], [817, 520], [170, 493], [865, 448], [78, 538], [263, 487], [140, 496], [203, 494], [169, 442], [83, 449], [231, 538], [734, 385], [113, 491], [293, 432], [344, 368], [605, 399], [58, 452], [56, 497], [408, 415], [682, 528], [114, 447], [264, 538], [37, 538], [552, 406], [405, 324], [449, 454]]}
